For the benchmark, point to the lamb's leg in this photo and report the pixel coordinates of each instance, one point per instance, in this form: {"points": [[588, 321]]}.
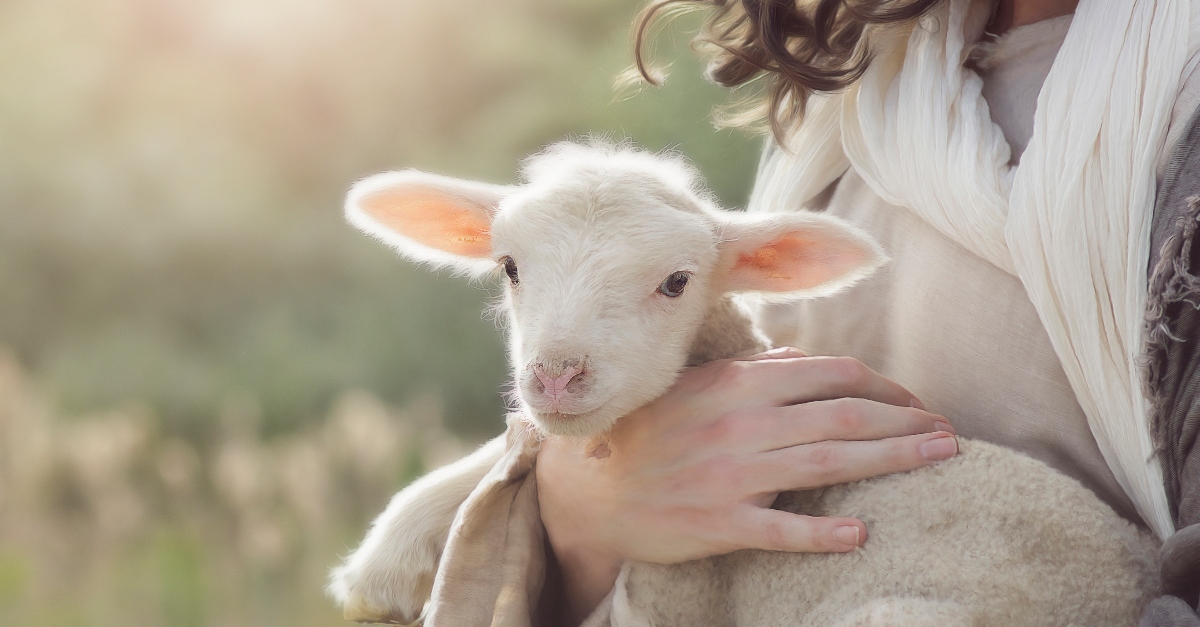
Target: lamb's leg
{"points": [[388, 578], [909, 612]]}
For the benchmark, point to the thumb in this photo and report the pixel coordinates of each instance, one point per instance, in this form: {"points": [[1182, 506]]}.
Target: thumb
{"points": [[783, 352]]}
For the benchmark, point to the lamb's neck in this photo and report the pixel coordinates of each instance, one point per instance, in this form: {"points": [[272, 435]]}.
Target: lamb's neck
{"points": [[726, 332]]}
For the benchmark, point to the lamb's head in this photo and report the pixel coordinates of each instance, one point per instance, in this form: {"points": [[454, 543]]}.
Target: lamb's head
{"points": [[612, 257]]}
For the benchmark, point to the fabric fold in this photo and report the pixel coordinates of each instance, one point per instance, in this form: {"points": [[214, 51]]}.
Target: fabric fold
{"points": [[1071, 220], [493, 568]]}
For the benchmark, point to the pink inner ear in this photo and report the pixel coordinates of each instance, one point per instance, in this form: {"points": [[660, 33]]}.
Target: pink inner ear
{"points": [[433, 219], [794, 262]]}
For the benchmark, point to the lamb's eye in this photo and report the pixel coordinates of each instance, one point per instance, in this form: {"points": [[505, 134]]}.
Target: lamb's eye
{"points": [[510, 268], [674, 284]]}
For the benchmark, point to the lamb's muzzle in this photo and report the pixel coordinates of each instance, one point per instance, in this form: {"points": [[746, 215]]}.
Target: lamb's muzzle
{"points": [[556, 384]]}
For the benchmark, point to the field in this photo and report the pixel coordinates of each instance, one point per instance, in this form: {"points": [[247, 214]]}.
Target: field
{"points": [[208, 382]]}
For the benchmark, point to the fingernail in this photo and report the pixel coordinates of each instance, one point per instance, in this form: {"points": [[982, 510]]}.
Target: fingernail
{"points": [[939, 449], [916, 402], [847, 535], [941, 425]]}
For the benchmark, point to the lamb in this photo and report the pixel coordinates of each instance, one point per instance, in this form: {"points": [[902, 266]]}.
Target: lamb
{"points": [[622, 271]]}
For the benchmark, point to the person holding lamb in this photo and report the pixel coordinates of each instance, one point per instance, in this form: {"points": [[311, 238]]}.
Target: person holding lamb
{"points": [[1031, 169], [620, 273], [1035, 180]]}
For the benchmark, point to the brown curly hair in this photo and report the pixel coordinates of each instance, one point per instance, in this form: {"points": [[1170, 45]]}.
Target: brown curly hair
{"points": [[797, 46]]}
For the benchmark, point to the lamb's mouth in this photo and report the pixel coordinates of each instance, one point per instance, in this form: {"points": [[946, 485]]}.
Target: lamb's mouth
{"points": [[559, 416], [568, 418]]}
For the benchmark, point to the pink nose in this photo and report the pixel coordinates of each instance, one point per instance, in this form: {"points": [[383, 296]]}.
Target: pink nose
{"points": [[555, 385]]}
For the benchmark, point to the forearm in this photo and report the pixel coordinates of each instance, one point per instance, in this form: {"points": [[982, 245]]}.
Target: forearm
{"points": [[587, 576]]}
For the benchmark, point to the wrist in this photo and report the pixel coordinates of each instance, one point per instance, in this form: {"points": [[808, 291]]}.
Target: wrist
{"points": [[587, 566], [588, 574], [574, 519]]}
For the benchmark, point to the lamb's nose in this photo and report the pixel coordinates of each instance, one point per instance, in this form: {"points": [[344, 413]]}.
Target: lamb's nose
{"points": [[555, 385]]}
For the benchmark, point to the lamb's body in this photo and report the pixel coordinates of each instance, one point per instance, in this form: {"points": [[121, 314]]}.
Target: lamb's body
{"points": [[988, 538], [991, 537]]}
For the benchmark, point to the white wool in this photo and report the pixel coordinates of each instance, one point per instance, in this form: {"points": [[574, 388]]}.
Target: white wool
{"points": [[1072, 220], [570, 161], [592, 234]]}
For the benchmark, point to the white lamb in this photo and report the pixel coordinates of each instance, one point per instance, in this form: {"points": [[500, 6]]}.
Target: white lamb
{"points": [[621, 271]]}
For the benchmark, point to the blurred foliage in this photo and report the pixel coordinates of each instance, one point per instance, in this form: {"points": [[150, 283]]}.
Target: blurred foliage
{"points": [[106, 520], [172, 249]]}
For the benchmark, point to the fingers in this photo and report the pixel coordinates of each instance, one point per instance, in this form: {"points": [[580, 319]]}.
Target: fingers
{"points": [[774, 530], [772, 428], [832, 462], [777, 380], [838, 419]]}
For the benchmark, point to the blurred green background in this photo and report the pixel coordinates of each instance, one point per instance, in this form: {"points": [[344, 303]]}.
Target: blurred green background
{"points": [[208, 382]]}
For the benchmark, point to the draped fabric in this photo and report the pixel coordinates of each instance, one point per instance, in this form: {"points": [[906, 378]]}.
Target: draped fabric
{"points": [[1072, 220]]}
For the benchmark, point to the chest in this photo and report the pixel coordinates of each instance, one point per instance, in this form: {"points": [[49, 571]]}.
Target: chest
{"points": [[958, 332]]}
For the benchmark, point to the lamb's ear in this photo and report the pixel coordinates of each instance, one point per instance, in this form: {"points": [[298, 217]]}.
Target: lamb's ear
{"points": [[429, 218], [795, 255]]}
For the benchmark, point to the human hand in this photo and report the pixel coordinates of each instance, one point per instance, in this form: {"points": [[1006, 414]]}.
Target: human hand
{"points": [[693, 473]]}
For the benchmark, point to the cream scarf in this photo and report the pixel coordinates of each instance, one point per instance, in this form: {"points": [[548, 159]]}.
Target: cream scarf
{"points": [[1072, 221]]}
